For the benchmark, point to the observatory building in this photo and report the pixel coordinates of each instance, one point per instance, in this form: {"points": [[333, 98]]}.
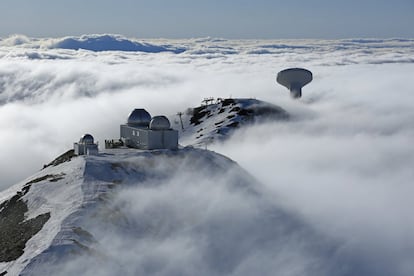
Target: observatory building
{"points": [[145, 132], [86, 146]]}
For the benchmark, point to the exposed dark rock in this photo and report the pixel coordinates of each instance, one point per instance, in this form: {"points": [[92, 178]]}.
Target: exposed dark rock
{"points": [[198, 113], [51, 177], [270, 112], [15, 231], [234, 124], [65, 157], [25, 188], [227, 102], [239, 113], [235, 109], [245, 112]]}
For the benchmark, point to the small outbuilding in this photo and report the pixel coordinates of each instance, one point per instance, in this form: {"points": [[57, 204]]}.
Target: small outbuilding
{"points": [[86, 146], [145, 132]]}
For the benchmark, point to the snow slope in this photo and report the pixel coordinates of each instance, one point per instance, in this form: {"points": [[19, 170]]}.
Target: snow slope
{"points": [[217, 119], [56, 190], [185, 212]]}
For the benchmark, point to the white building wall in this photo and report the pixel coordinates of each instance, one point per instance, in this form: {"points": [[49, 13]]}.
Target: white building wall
{"points": [[163, 139], [149, 139], [91, 149], [78, 149], [155, 139], [82, 149]]}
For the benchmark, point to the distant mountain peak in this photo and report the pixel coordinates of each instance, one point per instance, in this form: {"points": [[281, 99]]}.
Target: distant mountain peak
{"points": [[108, 42]]}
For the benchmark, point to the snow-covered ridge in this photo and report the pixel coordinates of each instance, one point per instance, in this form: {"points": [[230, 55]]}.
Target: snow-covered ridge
{"points": [[217, 119], [70, 189], [134, 212], [55, 193]]}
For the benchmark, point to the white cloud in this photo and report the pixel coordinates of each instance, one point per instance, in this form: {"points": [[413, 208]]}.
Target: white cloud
{"points": [[344, 161], [15, 40], [348, 166], [197, 213]]}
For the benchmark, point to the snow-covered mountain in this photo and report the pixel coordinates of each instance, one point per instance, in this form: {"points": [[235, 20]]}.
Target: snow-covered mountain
{"points": [[217, 119], [72, 212], [183, 212]]}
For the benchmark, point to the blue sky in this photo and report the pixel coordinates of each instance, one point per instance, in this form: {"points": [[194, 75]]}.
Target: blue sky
{"points": [[215, 18]]}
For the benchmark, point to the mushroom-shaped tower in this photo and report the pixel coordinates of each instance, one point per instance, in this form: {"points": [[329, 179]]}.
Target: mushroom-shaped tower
{"points": [[139, 117], [86, 139], [159, 123], [294, 79]]}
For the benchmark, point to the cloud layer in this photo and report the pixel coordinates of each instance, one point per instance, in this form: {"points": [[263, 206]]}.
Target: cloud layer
{"points": [[344, 161], [186, 213]]}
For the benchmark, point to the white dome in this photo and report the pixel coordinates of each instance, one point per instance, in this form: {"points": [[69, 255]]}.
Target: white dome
{"points": [[139, 118], [159, 123], [86, 139]]}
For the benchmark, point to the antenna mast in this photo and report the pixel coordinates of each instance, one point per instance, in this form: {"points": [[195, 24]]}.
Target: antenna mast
{"points": [[180, 114]]}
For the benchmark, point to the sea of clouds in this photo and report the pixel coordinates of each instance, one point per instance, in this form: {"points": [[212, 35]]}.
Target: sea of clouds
{"points": [[191, 213], [344, 161]]}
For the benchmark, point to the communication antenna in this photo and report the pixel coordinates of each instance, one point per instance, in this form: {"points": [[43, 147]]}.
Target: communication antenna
{"points": [[181, 120], [294, 79]]}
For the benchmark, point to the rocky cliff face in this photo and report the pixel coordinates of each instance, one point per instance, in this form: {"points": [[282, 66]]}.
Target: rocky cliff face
{"points": [[15, 229]]}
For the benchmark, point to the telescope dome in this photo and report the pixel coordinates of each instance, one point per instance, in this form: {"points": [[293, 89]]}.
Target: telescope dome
{"points": [[159, 123], [139, 117], [86, 139]]}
